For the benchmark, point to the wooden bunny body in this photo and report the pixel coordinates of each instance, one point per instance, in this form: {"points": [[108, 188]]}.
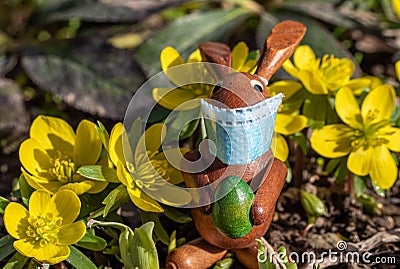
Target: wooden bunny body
{"points": [[236, 92]]}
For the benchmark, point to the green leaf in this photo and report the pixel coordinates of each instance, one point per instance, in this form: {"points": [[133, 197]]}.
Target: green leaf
{"points": [[226, 263], [99, 173], [182, 124], [314, 108], [172, 242], [158, 229], [186, 33], [331, 165], [6, 246], [359, 185], [98, 12], [93, 77], [3, 203], [143, 249], [17, 261], [103, 134], [320, 10], [125, 246], [79, 260], [395, 117], [92, 242], [176, 215], [341, 171], [26, 189], [116, 198]]}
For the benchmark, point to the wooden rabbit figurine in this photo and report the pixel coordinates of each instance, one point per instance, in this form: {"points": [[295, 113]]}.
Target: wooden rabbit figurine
{"points": [[236, 92]]}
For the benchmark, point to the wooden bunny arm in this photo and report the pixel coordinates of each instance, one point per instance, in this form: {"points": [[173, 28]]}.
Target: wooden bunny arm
{"points": [[197, 254], [268, 193], [247, 256], [279, 46]]}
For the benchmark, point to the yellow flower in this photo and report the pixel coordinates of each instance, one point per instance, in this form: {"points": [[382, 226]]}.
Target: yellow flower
{"points": [[319, 76], [147, 168], [53, 154], [285, 123], [396, 7], [367, 83], [170, 58], [366, 135], [45, 231]]}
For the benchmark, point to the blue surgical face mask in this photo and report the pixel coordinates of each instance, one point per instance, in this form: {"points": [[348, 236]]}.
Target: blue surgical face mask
{"points": [[240, 135]]}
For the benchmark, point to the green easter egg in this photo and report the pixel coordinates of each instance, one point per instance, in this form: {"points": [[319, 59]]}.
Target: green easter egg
{"points": [[231, 214]]}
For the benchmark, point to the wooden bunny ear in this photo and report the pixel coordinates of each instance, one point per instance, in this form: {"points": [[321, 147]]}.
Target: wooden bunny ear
{"points": [[279, 46], [217, 53]]}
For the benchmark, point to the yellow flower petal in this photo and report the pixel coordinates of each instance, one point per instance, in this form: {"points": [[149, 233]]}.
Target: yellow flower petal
{"points": [[311, 82], [78, 187], [124, 176], [359, 161], [169, 58], [116, 150], [151, 140], [33, 158], [195, 56], [172, 195], [87, 144], [143, 201], [39, 202], [280, 147], [348, 109], [172, 98], [249, 67], [378, 105], [53, 133], [396, 7], [71, 233], [239, 55], [304, 57], [287, 87], [392, 136], [357, 85], [98, 187], [383, 171], [66, 204], [175, 176], [287, 124], [26, 248], [52, 254], [40, 183], [16, 220], [290, 68], [332, 141]]}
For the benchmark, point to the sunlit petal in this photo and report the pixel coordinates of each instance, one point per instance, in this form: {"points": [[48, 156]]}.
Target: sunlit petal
{"points": [[78, 187], [26, 248], [290, 68], [170, 58], [151, 140], [378, 105], [143, 201], [33, 157], [384, 170], [195, 56], [53, 133], [392, 137], [239, 55], [116, 150], [87, 144], [52, 254], [172, 98], [172, 195], [287, 87], [98, 187], [303, 57], [347, 108], [287, 124], [359, 161], [358, 85], [39, 202], [332, 141], [16, 220], [124, 176], [71, 233], [66, 204], [396, 7], [311, 82], [280, 147]]}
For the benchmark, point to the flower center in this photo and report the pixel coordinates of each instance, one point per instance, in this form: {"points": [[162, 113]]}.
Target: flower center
{"points": [[64, 170], [43, 229], [148, 171]]}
